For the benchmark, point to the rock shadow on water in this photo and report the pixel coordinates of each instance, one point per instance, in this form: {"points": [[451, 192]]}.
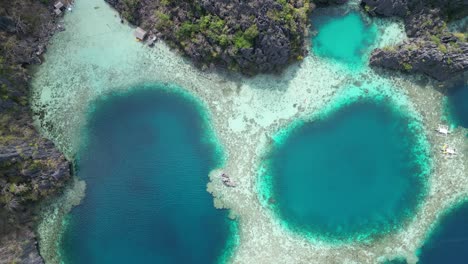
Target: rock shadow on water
{"points": [[350, 175], [146, 155], [343, 35], [448, 243]]}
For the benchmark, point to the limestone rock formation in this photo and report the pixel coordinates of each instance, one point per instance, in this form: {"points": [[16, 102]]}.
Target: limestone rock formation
{"points": [[248, 36], [31, 168], [431, 49]]}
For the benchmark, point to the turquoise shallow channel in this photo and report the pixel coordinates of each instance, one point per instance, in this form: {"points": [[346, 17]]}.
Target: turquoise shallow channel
{"points": [[349, 175], [343, 37], [146, 157]]}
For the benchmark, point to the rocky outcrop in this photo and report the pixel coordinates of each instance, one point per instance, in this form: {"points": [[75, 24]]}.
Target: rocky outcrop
{"points": [[424, 57], [329, 2], [450, 9], [248, 36], [19, 246], [31, 168], [431, 49]]}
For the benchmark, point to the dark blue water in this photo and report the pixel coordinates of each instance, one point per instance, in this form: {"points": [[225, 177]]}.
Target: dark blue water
{"points": [[458, 105], [348, 176], [146, 163], [396, 261], [449, 242]]}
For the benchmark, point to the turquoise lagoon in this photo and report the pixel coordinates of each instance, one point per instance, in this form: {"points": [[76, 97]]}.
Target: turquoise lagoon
{"points": [[448, 243], [350, 174], [342, 36], [145, 157]]}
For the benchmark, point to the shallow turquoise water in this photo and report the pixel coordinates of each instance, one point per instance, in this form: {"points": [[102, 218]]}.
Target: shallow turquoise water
{"points": [[457, 104], [346, 38], [146, 163], [449, 242], [348, 176]]}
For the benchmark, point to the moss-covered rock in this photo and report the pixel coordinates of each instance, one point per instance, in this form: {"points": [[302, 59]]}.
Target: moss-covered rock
{"points": [[249, 36], [31, 168], [431, 49]]}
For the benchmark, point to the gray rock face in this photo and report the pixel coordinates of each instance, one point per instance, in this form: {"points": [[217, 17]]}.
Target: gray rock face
{"points": [[248, 36], [20, 246], [31, 168], [431, 49], [329, 2], [424, 57], [403, 8]]}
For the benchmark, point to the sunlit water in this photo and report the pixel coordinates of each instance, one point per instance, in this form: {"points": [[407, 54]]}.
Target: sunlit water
{"points": [[146, 158], [348, 175], [343, 37], [97, 55]]}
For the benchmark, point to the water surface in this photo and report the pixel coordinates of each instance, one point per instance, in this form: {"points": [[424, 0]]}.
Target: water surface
{"points": [[346, 176], [146, 162], [449, 241], [343, 37], [457, 104]]}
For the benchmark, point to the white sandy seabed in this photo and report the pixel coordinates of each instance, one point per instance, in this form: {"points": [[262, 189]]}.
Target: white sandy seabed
{"points": [[97, 55]]}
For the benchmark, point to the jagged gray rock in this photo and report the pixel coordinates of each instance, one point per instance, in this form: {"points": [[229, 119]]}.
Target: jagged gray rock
{"points": [[31, 168], [249, 36], [431, 49]]}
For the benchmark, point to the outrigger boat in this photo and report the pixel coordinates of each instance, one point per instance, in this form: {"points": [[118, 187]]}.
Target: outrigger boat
{"points": [[448, 150], [227, 181], [444, 130]]}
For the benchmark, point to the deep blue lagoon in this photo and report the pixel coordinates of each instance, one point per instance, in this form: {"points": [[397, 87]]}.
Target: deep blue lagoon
{"points": [[457, 104], [352, 174], [344, 37], [449, 241], [146, 159]]}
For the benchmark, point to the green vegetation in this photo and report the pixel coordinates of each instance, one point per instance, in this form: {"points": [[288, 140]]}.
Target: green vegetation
{"points": [[367, 8], [241, 42], [407, 66], [251, 33], [460, 36], [389, 49], [214, 37], [436, 39], [442, 48], [131, 8]]}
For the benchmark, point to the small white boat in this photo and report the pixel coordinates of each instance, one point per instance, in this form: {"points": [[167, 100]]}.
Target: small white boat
{"points": [[444, 130], [448, 150]]}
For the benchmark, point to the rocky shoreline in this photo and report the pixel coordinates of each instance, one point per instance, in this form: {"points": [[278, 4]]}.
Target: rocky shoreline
{"points": [[31, 168], [247, 36], [211, 33], [240, 38], [431, 48]]}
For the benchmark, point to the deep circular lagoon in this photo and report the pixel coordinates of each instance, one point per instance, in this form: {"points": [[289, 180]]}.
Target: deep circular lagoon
{"points": [[351, 174], [457, 105], [146, 156], [448, 243], [342, 36]]}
